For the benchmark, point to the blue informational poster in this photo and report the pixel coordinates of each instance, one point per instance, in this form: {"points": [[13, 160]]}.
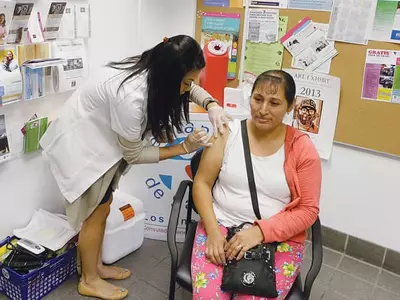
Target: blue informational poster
{"points": [[220, 3], [324, 5]]}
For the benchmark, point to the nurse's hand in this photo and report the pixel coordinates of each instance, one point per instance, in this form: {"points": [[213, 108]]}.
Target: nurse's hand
{"points": [[197, 139], [218, 118]]}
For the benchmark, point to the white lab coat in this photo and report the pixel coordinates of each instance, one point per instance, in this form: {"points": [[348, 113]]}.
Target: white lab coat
{"points": [[81, 144], [84, 142]]}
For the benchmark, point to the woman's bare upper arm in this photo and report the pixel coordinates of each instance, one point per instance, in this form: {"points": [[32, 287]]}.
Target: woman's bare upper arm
{"points": [[211, 160]]}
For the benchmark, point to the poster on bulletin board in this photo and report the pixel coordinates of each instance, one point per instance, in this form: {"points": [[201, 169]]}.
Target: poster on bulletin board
{"points": [[225, 28], [382, 76], [224, 3], [316, 108]]}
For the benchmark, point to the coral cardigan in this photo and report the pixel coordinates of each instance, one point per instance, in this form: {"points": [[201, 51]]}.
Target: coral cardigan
{"points": [[303, 174]]}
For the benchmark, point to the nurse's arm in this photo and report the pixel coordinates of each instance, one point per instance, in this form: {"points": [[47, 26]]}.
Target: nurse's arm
{"points": [[142, 152], [199, 96]]}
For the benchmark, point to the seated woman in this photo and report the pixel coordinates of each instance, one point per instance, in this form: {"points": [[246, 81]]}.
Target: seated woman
{"points": [[287, 171]]}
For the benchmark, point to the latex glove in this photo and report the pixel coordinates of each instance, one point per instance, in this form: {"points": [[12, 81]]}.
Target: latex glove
{"points": [[218, 118], [243, 241], [215, 247], [196, 140]]}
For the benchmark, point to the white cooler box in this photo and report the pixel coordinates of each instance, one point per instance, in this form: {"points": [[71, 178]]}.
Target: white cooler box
{"points": [[125, 227]]}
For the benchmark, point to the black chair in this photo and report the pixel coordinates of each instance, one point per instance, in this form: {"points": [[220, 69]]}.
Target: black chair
{"points": [[180, 270]]}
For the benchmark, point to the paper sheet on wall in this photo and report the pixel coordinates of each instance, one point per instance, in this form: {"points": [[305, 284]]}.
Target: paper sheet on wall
{"points": [[351, 21], [10, 76], [316, 108], [225, 28], [386, 26], [263, 25], [267, 3], [260, 57], [70, 75], [326, 66], [19, 25], [5, 152], [324, 5], [6, 8], [224, 3], [382, 76], [308, 45]]}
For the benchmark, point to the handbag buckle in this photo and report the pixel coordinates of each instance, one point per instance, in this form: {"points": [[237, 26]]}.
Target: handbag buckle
{"points": [[248, 255]]}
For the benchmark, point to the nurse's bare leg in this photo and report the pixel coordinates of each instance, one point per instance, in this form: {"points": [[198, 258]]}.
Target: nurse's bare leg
{"points": [[90, 240], [110, 272]]}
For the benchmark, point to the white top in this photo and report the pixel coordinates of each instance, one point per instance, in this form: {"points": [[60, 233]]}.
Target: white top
{"points": [[232, 201]]}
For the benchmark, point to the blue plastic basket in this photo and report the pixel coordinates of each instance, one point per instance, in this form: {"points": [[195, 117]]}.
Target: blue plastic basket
{"points": [[40, 282]]}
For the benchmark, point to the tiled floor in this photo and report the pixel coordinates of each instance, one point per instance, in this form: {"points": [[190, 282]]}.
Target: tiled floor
{"points": [[341, 278]]}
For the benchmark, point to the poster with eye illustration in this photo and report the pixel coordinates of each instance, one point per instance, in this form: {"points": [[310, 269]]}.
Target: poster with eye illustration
{"points": [[315, 108]]}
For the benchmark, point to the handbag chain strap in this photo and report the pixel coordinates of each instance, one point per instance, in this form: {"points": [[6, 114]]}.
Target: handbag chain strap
{"points": [[249, 169]]}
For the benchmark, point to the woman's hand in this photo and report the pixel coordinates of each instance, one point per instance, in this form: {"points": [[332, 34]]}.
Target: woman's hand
{"points": [[215, 247], [195, 140], [243, 241], [218, 118]]}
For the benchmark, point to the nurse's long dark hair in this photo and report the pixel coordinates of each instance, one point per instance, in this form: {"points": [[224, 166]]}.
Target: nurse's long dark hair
{"points": [[166, 65]]}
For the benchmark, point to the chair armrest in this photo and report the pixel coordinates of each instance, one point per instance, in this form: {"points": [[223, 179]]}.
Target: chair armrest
{"points": [[174, 219], [317, 255]]}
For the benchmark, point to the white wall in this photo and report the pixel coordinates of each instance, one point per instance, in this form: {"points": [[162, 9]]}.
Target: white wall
{"points": [[26, 183], [360, 193]]}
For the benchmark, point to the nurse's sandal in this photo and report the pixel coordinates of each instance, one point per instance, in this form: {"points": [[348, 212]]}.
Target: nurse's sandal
{"points": [[119, 293]]}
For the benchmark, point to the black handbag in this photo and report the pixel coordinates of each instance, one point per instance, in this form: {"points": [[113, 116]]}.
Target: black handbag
{"points": [[254, 274]]}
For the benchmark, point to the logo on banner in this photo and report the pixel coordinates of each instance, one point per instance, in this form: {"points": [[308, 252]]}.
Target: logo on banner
{"points": [[157, 186]]}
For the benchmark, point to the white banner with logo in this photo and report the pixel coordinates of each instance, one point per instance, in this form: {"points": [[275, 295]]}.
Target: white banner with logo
{"points": [[156, 184]]}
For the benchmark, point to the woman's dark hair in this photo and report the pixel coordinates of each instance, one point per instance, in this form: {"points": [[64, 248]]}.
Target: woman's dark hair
{"points": [[166, 65], [273, 79], [4, 18]]}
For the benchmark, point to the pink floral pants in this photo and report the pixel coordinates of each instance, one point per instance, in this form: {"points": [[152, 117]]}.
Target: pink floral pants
{"points": [[207, 277]]}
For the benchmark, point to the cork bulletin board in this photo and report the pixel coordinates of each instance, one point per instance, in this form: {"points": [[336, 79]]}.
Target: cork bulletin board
{"points": [[362, 123]]}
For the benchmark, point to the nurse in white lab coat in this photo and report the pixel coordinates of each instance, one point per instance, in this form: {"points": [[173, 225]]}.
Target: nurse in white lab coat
{"points": [[103, 128]]}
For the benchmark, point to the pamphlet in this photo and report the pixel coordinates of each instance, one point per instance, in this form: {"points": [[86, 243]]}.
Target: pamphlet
{"points": [[308, 45], [34, 130], [6, 13], [10, 76], [4, 144], [382, 76], [67, 26], [19, 25], [82, 18], [326, 66], [263, 25], [71, 74], [316, 108], [225, 28], [35, 28], [54, 18], [31, 52], [267, 3]]}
